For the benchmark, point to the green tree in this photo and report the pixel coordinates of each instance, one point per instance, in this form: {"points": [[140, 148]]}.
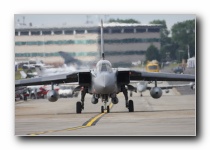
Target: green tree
{"points": [[123, 21], [183, 33], [164, 32], [166, 49], [152, 53]]}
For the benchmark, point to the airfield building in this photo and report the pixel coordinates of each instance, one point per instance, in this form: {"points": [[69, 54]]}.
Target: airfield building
{"points": [[123, 43]]}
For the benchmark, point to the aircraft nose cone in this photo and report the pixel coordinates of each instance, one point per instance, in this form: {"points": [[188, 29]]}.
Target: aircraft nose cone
{"points": [[105, 85], [140, 89]]}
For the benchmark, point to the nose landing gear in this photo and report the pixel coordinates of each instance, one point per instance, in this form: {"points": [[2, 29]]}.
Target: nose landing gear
{"points": [[105, 107]]}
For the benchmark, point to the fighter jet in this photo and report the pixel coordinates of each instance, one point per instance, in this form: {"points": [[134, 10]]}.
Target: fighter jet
{"points": [[104, 82], [68, 59], [21, 92], [142, 86], [44, 71], [28, 74], [41, 71], [71, 61]]}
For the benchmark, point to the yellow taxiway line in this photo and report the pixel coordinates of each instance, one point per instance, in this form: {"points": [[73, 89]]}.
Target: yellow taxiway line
{"points": [[90, 123]]}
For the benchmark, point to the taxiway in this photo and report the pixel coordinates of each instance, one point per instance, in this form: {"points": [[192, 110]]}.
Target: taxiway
{"points": [[171, 115]]}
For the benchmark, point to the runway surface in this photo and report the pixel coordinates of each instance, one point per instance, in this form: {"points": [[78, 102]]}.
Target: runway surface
{"points": [[171, 115]]}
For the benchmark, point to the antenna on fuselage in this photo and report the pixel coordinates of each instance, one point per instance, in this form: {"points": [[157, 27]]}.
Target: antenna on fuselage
{"points": [[102, 42]]}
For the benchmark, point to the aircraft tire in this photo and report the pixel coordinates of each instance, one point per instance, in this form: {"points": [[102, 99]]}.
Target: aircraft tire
{"points": [[79, 107], [130, 106], [108, 110], [102, 109]]}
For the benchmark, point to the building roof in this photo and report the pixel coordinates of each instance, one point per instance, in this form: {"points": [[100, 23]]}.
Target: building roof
{"points": [[87, 26], [116, 24]]}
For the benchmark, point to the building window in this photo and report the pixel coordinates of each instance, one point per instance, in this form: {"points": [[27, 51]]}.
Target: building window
{"points": [[153, 30], [68, 32], [49, 42], [128, 31], [58, 32], [16, 33], [70, 42], [140, 30], [80, 31], [40, 43], [35, 32], [24, 33], [46, 32], [93, 31], [92, 41], [116, 30], [105, 31]]}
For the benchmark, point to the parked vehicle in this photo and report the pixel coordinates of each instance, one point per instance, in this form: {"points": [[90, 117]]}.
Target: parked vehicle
{"points": [[178, 69], [152, 66]]}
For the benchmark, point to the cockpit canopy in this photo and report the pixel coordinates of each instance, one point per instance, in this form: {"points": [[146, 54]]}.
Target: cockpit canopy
{"points": [[104, 65]]}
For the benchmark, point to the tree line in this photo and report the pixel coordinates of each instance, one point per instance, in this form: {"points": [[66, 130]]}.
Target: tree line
{"points": [[174, 45]]}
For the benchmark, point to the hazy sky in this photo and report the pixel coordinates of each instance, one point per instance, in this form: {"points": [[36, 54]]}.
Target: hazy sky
{"points": [[68, 20]]}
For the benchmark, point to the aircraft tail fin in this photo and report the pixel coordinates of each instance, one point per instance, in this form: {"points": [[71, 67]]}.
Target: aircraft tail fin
{"points": [[23, 75], [102, 41], [39, 70], [68, 59]]}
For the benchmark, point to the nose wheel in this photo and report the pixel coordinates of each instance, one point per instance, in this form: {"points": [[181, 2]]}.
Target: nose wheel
{"points": [[107, 109], [102, 109]]}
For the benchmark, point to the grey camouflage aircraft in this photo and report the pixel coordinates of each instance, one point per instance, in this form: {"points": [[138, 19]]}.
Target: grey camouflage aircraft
{"points": [[104, 82]]}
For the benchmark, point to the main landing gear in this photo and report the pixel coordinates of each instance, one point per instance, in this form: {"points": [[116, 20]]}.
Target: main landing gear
{"points": [[80, 105], [130, 106], [128, 103]]}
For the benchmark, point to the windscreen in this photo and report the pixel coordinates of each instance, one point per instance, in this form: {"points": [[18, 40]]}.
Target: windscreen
{"points": [[152, 67]]}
